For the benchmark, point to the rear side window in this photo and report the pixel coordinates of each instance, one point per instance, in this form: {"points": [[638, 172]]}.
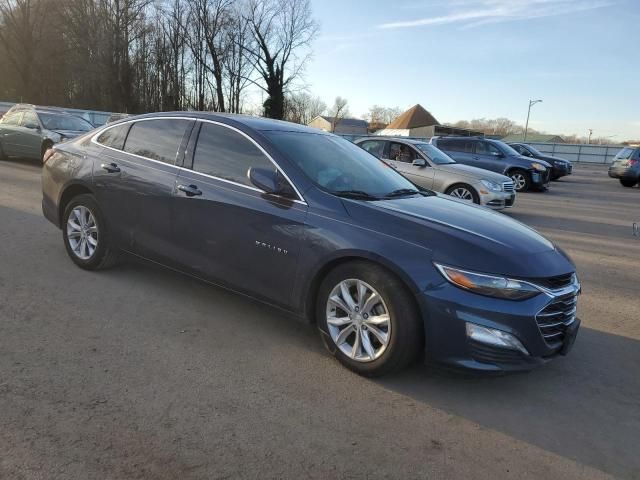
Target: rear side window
{"points": [[114, 137], [156, 139], [224, 153], [373, 147], [12, 118], [457, 145]]}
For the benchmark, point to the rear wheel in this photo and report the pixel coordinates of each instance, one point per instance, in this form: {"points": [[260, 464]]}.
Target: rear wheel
{"points": [[85, 235], [464, 192], [628, 182], [521, 181], [368, 319]]}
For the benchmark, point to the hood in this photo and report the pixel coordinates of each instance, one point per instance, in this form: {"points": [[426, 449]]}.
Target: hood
{"points": [[473, 172], [464, 235]]}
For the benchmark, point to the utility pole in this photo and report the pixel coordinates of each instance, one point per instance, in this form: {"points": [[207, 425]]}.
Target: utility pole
{"points": [[526, 127], [590, 133]]}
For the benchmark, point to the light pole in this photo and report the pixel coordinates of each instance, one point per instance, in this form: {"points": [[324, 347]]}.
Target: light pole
{"points": [[526, 127], [590, 133]]}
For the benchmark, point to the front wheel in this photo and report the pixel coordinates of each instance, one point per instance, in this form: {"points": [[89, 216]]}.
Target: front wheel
{"points": [[464, 192], [368, 319], [628, 182], [521, 181], [84, 232]]}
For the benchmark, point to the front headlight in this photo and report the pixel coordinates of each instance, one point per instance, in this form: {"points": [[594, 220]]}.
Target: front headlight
{"points": [[494, 187], [538, 166], [488, 285]]}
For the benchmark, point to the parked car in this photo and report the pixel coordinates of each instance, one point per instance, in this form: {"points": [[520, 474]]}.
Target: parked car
{"points": [[28, 132], [430, 168], [626, 166], [311, 223], [559, 166], [497, 156]]}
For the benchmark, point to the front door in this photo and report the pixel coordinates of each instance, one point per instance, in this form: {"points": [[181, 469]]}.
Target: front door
{"points": [[405, 155], [227, 230]]}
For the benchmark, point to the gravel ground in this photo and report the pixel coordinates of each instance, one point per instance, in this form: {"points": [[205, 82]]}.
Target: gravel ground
{"points": [[139, 372]]}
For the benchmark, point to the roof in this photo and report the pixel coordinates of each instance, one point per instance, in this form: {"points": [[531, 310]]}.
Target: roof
{"points": [[415, 117], [533, 137], [411, 141], [347, 122]]}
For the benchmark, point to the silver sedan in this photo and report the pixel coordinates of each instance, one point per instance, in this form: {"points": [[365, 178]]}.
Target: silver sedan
{"points": [[431, 168]]}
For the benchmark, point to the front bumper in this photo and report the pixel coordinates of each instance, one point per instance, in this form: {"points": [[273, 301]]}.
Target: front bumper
{"points": [[498, 200], [561, 170], [540, 180], [448, 309]]}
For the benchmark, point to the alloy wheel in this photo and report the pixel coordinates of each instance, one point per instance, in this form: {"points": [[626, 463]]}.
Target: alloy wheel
{"points": [[462, 193], [358, 320], [82, 232], [519, 181]]}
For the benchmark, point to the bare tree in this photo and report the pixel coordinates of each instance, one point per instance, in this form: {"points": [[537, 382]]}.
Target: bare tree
{"points": [[382, 115], [338, 112], [302, 107], [281, 31]]}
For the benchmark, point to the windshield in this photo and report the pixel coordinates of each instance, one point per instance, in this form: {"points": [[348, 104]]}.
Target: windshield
{"points": [[506, 149], [436, 155], [53, 121], [339, 166], [535, 151], [624, 154]]}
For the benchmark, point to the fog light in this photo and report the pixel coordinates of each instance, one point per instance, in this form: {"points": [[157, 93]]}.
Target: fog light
{"points": [[497, 338]]}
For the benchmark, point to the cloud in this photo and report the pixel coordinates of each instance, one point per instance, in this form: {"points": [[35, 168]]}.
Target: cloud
{"points": [[472, 13]]}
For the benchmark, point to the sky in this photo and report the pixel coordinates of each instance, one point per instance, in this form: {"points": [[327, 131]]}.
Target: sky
{"points": [[466, 59]]}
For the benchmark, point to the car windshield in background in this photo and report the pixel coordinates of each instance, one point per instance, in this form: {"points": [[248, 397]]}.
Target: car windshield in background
{"points": [[435, 155], [54, 121], [506, 149], [535, 151], [339, 166], [624, 154]]}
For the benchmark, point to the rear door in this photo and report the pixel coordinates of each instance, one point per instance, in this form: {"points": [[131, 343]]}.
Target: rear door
{"points": [[227, 230], [488, 156], [136, 182], [460, 149]]}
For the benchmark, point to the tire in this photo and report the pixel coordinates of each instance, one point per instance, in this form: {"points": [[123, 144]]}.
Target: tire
{"points": [[2, 155], [45, 146], [521, 180], [463, 191], [402, 330], [628, 182], [103, 255]]}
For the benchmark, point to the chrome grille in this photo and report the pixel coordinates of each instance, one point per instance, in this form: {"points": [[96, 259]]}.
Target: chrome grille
{"points": [[508, 187], [554, 319]]}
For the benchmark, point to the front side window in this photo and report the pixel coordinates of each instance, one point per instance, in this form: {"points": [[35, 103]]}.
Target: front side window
{"points": [[156, 139], [401, 152], [224, 153], [12, 119], [114, 137], [29, 119], [339, 166], [58, 121]]}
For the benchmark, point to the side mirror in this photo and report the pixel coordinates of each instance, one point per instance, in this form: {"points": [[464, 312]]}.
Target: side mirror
{"points": [[32, 126], [420, 162], [270, 181]]}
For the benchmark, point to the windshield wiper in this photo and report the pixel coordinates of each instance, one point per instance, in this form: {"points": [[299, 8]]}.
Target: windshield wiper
{"points": [[402, 192], [355, 194]]}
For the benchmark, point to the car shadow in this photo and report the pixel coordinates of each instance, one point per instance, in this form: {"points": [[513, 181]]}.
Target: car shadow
{"points": [[585, 406]]}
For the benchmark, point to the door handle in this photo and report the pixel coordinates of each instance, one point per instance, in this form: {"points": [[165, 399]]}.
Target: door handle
{"points": [[190, 190], [111, 167]]}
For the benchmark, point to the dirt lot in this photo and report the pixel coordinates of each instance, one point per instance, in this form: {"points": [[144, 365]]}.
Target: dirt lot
{"points": [[138, 372]]}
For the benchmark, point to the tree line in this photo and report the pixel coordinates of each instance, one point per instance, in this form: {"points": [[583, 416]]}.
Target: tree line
{"points": [[139, 56]]}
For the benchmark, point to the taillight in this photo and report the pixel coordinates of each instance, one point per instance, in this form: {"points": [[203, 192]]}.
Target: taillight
{"points": [[633, 162], [47, 155]]}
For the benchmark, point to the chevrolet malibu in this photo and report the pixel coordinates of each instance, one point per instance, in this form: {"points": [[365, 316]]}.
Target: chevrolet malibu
{"points": [[313, 224]]}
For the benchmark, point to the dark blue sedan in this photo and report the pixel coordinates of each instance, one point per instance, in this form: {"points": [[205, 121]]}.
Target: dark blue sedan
{"points": [[311, 223]]}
